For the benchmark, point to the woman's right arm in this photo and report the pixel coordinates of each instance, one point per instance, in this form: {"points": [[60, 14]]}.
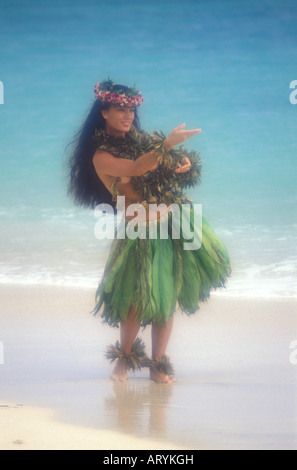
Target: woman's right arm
{"points": [[107, 164]]}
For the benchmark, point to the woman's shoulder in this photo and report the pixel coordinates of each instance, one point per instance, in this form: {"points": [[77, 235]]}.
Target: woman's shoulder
{"points": [[106, 142]]}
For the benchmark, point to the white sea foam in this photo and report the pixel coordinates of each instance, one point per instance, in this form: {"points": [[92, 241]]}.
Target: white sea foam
{"points": [[58, 247], [48, 278], [79, 264]]}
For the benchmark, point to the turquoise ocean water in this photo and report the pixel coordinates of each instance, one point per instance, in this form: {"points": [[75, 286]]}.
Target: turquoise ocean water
{"points": [[224, 66]]}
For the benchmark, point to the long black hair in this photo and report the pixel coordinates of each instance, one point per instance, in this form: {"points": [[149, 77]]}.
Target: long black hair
{"points": [[84, 185]]}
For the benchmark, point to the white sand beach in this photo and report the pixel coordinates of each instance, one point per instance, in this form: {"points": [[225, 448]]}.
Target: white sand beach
{"points": [[235, 389]]}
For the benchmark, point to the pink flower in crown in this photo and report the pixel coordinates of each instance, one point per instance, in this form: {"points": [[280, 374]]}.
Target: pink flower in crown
{"points": [[120, 99]]}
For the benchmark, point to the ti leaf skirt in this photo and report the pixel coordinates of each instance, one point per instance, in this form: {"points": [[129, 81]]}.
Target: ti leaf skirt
{"points": [[161, 269]]}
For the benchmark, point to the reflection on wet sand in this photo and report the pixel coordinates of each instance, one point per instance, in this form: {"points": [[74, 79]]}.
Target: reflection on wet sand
{"points": [[140, 408]]}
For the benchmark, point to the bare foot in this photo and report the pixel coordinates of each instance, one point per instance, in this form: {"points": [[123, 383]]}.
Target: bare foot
{"points": [[119, 373], [160, 377]]}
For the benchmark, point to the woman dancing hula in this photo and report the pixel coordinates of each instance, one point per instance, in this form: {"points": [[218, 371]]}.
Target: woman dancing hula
{"points": [[152, 268]]}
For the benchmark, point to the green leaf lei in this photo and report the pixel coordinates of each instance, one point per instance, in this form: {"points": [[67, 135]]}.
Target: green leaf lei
{"points": [[163, 185]]}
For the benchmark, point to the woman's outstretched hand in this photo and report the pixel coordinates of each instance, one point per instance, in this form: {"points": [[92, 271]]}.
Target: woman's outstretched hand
{"points": [[179, 135]]}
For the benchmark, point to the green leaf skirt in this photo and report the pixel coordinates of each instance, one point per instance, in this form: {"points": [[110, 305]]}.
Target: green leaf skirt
{"points": [[158, 273]]}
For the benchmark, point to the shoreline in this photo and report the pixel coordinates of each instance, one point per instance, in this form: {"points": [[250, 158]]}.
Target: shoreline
{"points": [[34, 428], [88, 287], [236, 387]]}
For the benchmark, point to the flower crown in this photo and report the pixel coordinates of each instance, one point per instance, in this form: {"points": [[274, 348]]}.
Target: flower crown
{"points": [[108, 92]]}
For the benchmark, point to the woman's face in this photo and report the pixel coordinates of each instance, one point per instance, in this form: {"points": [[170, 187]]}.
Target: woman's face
{"points": [[118, 119]]}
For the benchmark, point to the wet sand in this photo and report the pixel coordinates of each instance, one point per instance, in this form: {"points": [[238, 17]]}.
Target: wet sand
{"points": [[235, 389]]}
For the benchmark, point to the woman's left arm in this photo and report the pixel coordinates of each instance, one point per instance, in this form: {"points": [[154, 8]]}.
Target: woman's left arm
{"points": [[186, 166], [188, 174], [183, 165]]}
